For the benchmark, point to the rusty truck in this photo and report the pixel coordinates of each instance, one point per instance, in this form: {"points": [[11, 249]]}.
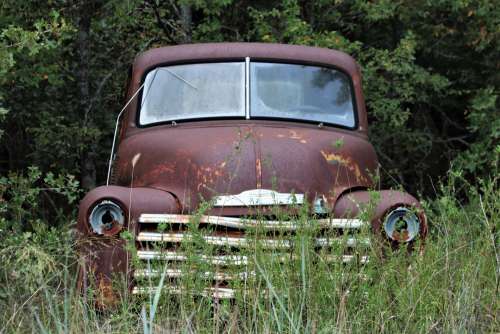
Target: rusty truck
{"points": [[244, 127]]}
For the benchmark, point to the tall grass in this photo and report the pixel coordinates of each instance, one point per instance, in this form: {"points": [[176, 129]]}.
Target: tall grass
{"points": [[452, 287]]}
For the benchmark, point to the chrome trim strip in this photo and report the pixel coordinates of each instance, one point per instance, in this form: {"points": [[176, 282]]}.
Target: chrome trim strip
{"points": [[247, 87], [174, 256], [177, 273], [246, 242], [258, 197], [220, 293], [240, 259], [241, 223]]}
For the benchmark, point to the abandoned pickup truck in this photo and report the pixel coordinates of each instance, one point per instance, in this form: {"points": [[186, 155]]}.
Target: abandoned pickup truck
{"points": [[236, 130]]}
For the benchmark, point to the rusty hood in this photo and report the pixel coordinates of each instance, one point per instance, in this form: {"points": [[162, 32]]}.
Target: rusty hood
{"points": [[198, 161]]}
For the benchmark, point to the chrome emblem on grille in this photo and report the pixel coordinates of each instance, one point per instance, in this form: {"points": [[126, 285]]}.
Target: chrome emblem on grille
{"points": [[259, 197]]}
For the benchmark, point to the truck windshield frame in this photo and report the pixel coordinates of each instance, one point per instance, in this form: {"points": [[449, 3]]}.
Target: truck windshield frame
{"points": [[234, 90]]}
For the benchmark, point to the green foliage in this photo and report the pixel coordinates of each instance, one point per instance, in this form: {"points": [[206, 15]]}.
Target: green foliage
{"points": [[33, 259], [21, 202], [60, 142], [18, 44], [3, 114], [484, 124], [429, 73]]}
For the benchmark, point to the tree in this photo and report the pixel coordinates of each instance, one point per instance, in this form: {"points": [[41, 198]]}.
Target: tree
{"points": [[430, 73]]}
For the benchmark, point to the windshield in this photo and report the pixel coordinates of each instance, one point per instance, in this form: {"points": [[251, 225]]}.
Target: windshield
{"points": [[193, 91], [301, 92], [213, 90]]}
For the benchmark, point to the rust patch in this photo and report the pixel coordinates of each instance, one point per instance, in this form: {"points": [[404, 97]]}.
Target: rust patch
{"points": [[207, 175], [298, 137], [160, 170], [115, 228], [293, 135], [106, 297], [258, 172], [351, 165], [401, 237]]}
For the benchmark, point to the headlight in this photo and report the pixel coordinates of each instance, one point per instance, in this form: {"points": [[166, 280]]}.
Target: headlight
{"points": [[106, 218], [401, 225]]}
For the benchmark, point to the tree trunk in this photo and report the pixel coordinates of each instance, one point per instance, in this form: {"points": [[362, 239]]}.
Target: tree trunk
{"points": [[186, 21], [87, 164]]}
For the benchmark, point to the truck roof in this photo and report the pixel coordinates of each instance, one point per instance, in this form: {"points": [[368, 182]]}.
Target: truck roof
{"points": [[238, 51]]}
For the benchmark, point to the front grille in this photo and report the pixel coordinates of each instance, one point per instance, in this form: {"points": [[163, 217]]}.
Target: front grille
{"points": [[166, 242]]}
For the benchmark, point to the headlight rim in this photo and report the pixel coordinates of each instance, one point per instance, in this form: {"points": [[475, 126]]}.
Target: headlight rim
{"points": [[413, 225], [114, 228]]}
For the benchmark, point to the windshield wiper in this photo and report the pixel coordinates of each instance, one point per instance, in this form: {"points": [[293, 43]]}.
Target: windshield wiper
{"points": [[179, 77]]}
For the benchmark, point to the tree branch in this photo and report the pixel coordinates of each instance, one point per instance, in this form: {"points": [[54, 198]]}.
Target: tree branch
{"points": [[159, 20]]}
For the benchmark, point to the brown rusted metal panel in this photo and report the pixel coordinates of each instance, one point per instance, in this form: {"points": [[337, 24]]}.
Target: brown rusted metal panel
{"points": [[376, 206], [133, 201], [102, 261], [196, 160]]}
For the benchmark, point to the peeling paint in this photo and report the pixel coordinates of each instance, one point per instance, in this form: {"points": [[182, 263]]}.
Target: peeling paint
{"points": [[297, 136], [292, 135], [258, 172], [346, 161], [158, 171]]}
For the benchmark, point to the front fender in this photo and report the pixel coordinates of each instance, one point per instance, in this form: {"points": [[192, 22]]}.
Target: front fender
{"points": [[103, 257], [376, 205], [133, 201]]}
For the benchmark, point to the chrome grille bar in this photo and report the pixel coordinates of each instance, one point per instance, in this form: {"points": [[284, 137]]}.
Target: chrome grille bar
{"points": [[178, 273], [228, 265], [246, 242], [241, 223], [238, 259], [219, 293], [174, 256]]}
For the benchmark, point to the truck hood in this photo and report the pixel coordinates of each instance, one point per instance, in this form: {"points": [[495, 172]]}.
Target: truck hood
{"points": [[197, 163]]}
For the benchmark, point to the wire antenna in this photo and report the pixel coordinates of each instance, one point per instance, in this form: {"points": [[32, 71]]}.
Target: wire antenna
{"points": [[111, 156]]}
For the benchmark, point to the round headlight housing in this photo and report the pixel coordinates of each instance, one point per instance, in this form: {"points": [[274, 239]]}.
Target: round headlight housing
{"points": [[402, 225], [106, 218]]}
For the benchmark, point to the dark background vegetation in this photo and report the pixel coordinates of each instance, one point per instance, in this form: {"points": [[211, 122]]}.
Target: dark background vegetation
{"points": [[430, 75]]}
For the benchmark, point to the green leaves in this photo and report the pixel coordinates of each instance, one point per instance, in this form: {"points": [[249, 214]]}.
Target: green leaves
{"points": [[376, 11], [430, 73], [44, 35], [483, 155], [65, 185], [21, 197]]}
